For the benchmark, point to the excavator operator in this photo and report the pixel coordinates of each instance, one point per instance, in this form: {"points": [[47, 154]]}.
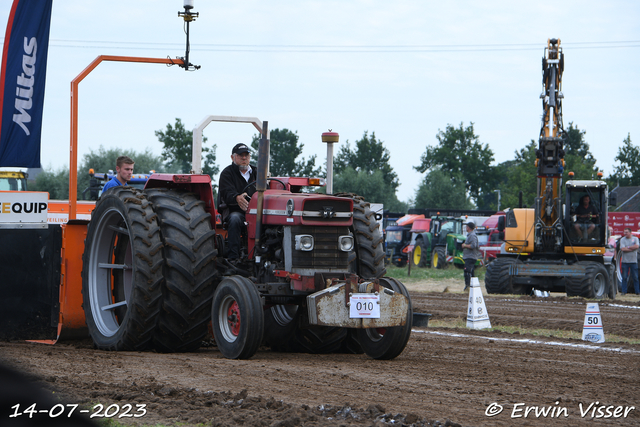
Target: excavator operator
{"points": [[586, 217]]}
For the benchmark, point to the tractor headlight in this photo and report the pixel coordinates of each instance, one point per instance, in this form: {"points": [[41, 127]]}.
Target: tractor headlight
{"points": [[345, 243], [304, 242]]}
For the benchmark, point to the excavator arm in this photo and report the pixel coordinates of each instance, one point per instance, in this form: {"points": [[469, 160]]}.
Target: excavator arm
{"points": [[550, 154]]}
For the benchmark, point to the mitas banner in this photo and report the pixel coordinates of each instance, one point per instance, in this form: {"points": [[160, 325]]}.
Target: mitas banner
{"points": [[22, 81]]}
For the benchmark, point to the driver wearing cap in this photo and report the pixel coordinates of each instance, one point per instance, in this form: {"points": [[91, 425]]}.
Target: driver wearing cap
{"points": [[235, 192]]}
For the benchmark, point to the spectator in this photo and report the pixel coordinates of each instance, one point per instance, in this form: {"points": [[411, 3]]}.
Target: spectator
{"points": [[629, 245], [124, 171], [470, 253]]}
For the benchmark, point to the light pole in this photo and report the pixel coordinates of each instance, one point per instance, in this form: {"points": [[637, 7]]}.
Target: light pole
{"points": [[188, 16], [498, 191]]}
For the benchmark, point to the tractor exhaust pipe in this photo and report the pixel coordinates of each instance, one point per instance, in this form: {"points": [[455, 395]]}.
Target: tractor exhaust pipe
{"points": [[261, 181]]}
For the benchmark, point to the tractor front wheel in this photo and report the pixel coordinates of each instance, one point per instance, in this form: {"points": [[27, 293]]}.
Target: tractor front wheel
{"points": [[387, 343], [237, 317], [439, 258]]}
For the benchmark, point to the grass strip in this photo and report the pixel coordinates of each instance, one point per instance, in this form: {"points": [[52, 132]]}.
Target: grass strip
{"points": [[518, 330]]}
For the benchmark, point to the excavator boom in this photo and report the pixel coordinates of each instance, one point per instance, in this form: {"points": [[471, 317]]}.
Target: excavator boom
{"points": [[550, 154]]}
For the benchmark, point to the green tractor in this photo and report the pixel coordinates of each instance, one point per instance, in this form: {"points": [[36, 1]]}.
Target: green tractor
{"points": [[437, 242]]}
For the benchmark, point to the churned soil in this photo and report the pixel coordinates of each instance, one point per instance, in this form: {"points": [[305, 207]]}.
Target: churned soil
{"points": [[445, 376]]}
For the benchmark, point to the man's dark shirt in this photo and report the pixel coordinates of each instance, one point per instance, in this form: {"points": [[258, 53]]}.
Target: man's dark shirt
{"points": [[581, 210], [232, 183]]}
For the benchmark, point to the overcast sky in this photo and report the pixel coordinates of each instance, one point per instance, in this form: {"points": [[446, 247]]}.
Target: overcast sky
{"points": [[402, 69]]}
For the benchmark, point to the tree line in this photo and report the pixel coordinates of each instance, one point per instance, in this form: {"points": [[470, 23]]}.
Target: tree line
{"points": [[458, 170]]}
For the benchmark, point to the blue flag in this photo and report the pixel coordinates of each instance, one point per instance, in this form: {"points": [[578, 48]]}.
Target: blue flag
{"points": [[22, 81]]}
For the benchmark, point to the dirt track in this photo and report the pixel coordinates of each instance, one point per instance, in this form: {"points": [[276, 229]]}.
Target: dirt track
{"points": [[443, 374]]}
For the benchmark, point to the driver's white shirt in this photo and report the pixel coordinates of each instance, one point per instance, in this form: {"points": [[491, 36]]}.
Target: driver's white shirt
{"points": [[246, 175]]}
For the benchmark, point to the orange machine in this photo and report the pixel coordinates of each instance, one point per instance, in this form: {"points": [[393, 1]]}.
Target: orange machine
{"points": [[60, 235]]}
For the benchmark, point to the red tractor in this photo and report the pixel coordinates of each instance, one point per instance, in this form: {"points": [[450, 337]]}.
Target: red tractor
{"points": [[145, 269], [311, 278]]}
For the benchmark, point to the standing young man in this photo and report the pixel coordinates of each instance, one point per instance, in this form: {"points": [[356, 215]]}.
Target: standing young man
{"points": [[470, 253], [124, 171], [629, 245]]}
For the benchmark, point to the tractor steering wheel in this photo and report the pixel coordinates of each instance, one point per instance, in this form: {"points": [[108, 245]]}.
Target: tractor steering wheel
{"points": [[284, 186]]}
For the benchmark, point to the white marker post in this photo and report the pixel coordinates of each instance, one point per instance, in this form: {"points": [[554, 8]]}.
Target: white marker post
{"points": [[477, 316], [592, 330]]}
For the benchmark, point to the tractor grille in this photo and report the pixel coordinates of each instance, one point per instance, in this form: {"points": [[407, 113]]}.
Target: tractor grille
{"points": [[326, 210], [325, 253]]}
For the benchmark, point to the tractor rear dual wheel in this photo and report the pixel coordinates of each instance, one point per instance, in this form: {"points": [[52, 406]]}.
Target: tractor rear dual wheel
{"points": [[189, 270], [367, 258], [122, 271], [285, 331], [280, 324]]}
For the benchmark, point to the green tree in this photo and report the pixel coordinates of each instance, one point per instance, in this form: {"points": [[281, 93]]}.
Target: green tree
{"points": [[519, 175], [103, 160], [177, 150], [578, 157], [460, 153], [439, 190], [285, 148], [627, 170], [54, 182], [370, 185], [366, 171], [369, 155]]}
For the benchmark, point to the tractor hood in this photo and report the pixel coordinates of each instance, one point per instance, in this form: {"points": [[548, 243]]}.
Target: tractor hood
{"points": [[286, 208]]}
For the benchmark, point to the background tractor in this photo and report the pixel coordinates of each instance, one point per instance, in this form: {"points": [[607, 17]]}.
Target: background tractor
{"points": [[440, 245]]}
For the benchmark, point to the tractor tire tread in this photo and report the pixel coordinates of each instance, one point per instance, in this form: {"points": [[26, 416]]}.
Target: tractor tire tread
{"points": [[189, 270], [584, 286]]}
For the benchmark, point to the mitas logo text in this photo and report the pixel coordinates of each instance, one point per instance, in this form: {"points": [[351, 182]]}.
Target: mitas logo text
{"points": [[24, 90]]}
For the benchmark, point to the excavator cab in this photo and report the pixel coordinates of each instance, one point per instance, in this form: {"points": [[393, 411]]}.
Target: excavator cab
{"points": [[586, 216]]}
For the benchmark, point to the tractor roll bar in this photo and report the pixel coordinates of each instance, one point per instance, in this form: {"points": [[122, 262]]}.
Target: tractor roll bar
{"points": [[73, 150], [196, 156]]}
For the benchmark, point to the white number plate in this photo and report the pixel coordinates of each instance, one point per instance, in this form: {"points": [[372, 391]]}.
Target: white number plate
{"points": [[364, 306]]}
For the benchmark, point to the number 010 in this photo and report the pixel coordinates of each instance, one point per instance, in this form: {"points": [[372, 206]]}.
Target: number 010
{"points": [[360, 306]]}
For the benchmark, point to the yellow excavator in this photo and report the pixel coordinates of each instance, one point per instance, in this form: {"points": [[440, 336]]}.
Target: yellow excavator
{"points": [[559, 244]]}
